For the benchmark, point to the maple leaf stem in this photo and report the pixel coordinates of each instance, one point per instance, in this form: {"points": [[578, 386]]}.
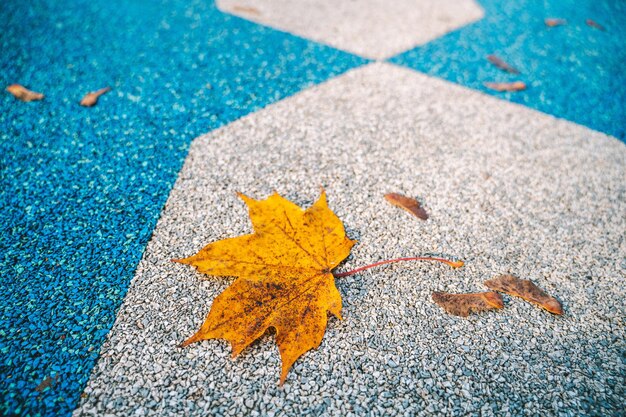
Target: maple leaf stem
{"points": [[453, 264]]}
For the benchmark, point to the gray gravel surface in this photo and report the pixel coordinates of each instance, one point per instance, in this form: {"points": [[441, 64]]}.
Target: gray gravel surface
{"points": [[508, 189]]}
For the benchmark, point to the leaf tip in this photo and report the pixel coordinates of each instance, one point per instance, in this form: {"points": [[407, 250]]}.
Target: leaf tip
{"points": [[283, 377], [185, 261], [323, 199], [337, 313], [236, 349], [494, 299], [192, 339], [245, 198], [554, 307]]}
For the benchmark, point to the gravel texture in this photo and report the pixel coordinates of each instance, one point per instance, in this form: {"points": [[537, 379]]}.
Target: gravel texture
{"points": [[572, 71], [82, 188], [508, 189], [374, 29]]}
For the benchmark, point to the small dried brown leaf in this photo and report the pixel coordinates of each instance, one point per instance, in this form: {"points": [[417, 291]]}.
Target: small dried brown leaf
{"points": [[464, 304], [247, 10], [24, 94], [91, 98], [514, 86], [594, 24], [501, 64], [525, 289], [47, 382], [409, 204], [555, 22]]}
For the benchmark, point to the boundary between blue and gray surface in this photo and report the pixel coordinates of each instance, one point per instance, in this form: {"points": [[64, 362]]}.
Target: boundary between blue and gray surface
{"points": [[574, 71], [82, 189]]}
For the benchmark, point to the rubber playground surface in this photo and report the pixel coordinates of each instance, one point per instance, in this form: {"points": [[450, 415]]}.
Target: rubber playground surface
{"points": [[362, 98]]}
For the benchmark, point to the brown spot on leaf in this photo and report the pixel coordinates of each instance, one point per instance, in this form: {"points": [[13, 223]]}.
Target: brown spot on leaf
{"points": [[409, 204], [514, 86], [24, 94], [464, 304], [525, 289]]}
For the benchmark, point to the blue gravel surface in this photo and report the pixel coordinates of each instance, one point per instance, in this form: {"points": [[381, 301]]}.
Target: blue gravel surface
{"points": [[81, 188], [573, 71]]}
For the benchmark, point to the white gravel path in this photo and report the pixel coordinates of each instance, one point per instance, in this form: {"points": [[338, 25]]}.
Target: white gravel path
{"points": [[376, 29], [508, 189]]}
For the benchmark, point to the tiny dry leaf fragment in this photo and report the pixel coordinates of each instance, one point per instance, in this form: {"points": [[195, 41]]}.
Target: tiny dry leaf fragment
{"points": [[247, 10], [525, 289], [46, 383], [553, 22], [514, 86], [594, 24], [501, 64], [464, 304], [92, 97], [24, 94], [409, 204]]}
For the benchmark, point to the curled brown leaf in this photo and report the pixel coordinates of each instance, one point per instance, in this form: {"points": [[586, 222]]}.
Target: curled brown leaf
{"points": [[24, 94], [92, 97], [409, 204], [464, 304], [514, 86], [501, 64], [525, 289]]}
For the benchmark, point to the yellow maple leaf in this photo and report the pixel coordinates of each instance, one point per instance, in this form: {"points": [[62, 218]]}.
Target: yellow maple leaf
{"points": [[284, 277]]}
